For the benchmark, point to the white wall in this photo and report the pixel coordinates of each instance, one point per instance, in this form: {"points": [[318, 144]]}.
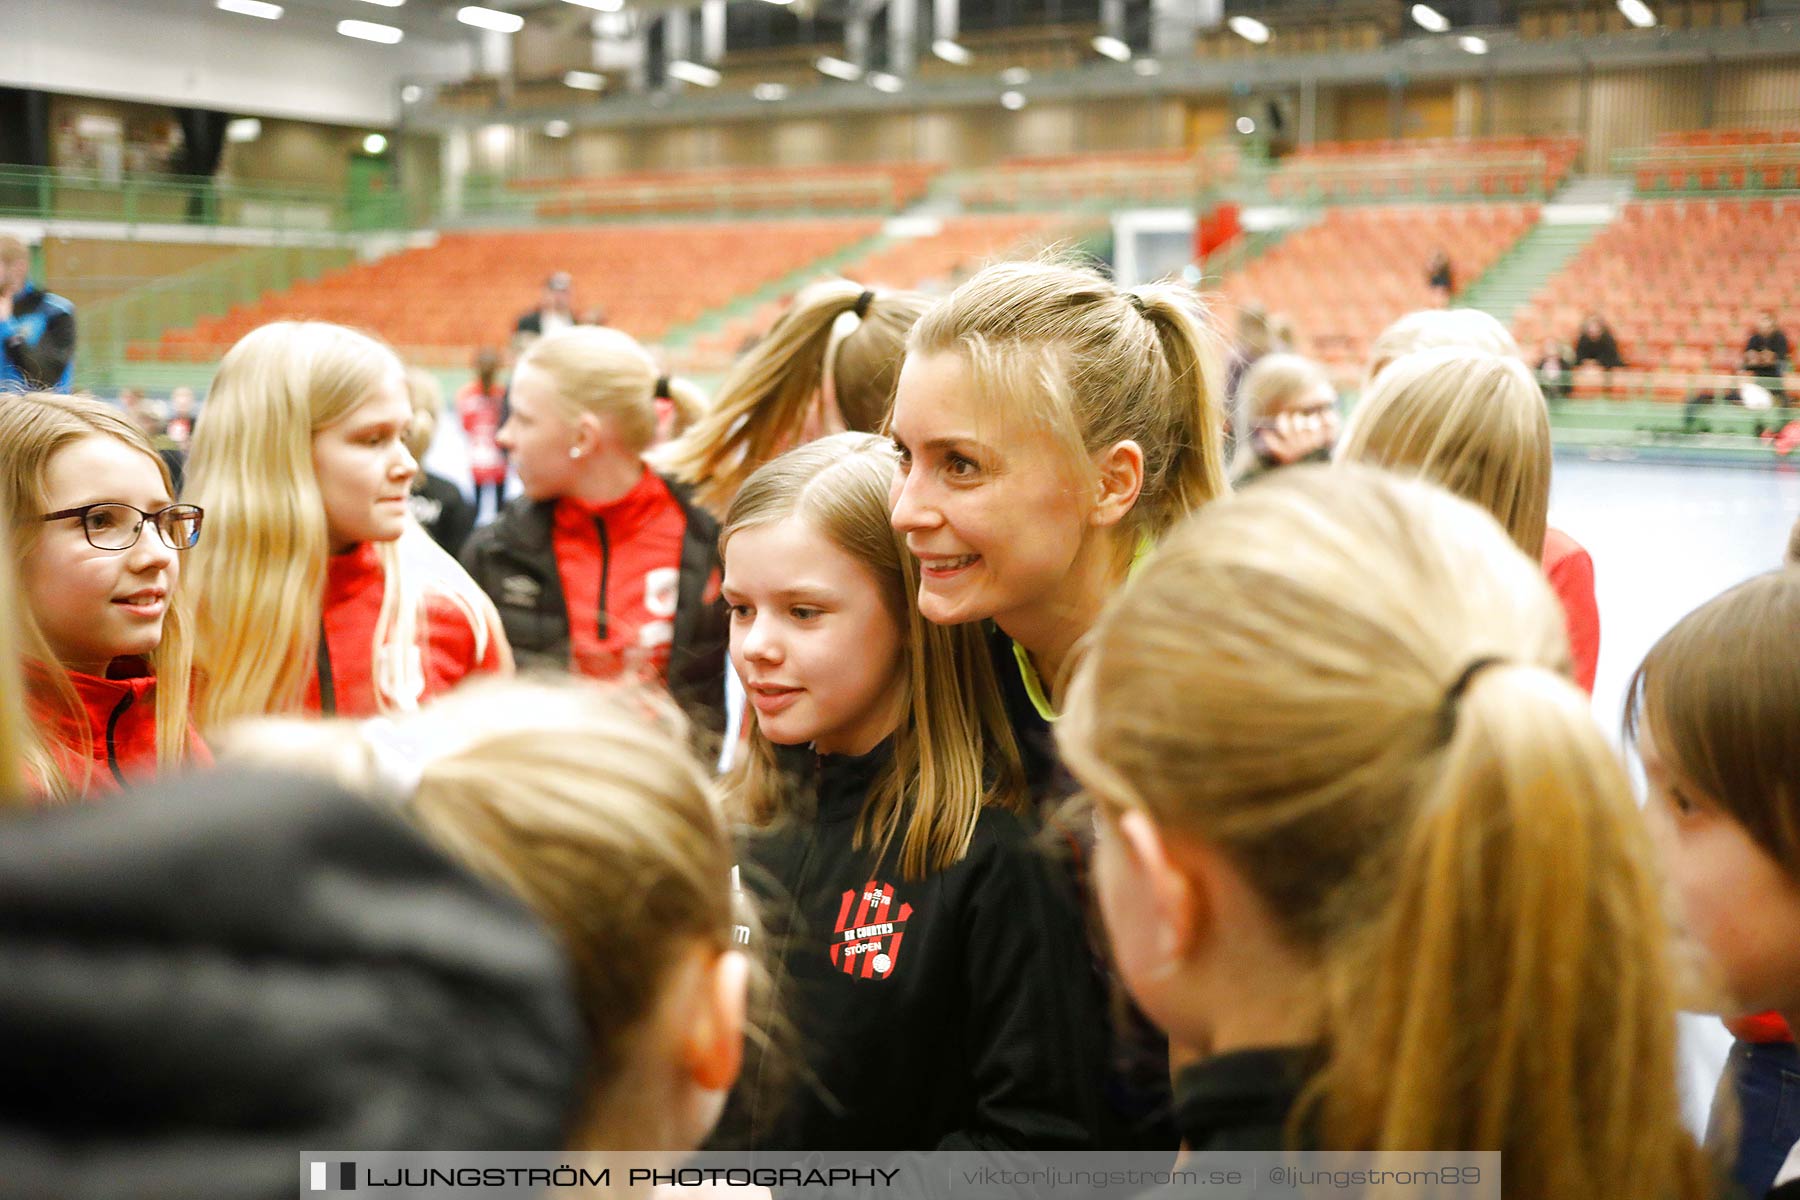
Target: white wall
{"points": [[185, 52]]}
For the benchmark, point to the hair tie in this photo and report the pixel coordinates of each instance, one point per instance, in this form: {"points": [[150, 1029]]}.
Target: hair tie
{"points": [[662, 388], [1454, 693], [1137, 302], [862, 304]]}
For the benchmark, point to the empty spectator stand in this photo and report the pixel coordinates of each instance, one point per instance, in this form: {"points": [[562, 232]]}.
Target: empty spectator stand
{"points": [[468, 289], [1342, 280], [726, 191], [1716, 160], [1131, 177], [933, 262], [1423, 169]]}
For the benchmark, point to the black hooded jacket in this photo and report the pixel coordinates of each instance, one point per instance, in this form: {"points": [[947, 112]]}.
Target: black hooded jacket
{"points": [[200, 981], [957, 1012], [514, 560]]}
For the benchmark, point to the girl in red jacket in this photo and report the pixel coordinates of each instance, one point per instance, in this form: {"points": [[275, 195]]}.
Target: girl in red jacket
{"points": [[99, 542], [603, 567], [316, 591]]}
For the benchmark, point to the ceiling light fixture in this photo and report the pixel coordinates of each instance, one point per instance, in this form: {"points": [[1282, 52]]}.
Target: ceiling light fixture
{"points": [[693, 72], [1638, 13], [490, 19], [837, 68], [1013, 101], [586, 81], [1473, 44], [1112, 48], [369, 31], [951, 53], [1250, 29], [251, 8], [1429, 18]]}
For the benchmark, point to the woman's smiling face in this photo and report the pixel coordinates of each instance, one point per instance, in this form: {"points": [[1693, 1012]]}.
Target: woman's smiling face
{"points": [[996, 529]]}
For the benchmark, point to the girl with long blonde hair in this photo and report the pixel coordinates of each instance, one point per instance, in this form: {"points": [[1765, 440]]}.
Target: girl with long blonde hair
{"points": [[316, 591], [583, 801], [1362, 841], [603, 567], [829, 365], [1475, 421], [882, 791], [99, 543]]}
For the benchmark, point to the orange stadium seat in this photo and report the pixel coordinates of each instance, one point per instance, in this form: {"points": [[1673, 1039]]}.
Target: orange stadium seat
{"points": [[1681, 282], [1346, 278], [468, 289]]}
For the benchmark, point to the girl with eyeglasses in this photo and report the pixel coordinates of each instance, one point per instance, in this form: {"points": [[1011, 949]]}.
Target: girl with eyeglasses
{"points": [[98, 542]]}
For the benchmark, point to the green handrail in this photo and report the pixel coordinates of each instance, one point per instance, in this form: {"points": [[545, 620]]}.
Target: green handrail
{"points": [[109, 327], [46, 193]]}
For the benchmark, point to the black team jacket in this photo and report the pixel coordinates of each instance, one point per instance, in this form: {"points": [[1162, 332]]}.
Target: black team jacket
{"points": [[956, 1012], [513, 559]]}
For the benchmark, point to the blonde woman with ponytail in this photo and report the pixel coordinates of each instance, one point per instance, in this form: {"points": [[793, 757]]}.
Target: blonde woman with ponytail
{"points": [[1051, 427], [315, 589], [829, 365], [1475, 421], [603, 567], [1360, 838], [101, 621]]}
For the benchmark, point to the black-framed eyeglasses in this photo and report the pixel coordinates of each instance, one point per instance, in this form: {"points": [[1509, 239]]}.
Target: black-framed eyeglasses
{"points": [[113, 526]]}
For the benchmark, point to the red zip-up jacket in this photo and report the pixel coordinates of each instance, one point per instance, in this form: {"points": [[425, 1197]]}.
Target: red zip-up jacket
{"points": [[1571, 574], [119, 715], [343, 682], [620, 565]]}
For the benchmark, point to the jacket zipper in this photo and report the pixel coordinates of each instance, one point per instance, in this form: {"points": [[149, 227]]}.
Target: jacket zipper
{"points": [[605, 573], [112, 727]]}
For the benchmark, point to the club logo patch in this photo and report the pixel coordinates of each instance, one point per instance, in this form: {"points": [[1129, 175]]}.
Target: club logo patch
{"points": [[870, 925]]}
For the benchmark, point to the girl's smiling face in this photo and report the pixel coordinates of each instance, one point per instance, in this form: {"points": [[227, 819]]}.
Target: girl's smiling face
{"points": [[93, 605], [820, 653]]}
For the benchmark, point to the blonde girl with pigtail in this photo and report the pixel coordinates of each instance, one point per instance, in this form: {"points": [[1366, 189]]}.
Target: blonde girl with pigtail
{"points": [[936, 965], [604, 567], [99, 544], [829, 365], [1475, 421], [1361, 839], [316, 591], [583, 801]]}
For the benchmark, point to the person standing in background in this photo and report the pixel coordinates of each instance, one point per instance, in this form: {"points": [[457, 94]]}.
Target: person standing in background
{"points": [[1766, 355], [481, 405], [37, 328], [555, 311]]}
